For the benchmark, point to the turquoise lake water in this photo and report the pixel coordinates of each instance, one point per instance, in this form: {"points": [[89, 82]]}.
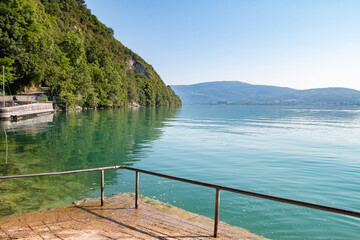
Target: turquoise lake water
{"points": [[305, 153]]}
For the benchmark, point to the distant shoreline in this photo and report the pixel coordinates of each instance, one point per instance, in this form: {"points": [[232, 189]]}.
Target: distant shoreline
{"points": [[241, 93], [274, 104]]}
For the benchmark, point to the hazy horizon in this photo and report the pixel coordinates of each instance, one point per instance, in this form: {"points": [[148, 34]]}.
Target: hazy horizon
{"points": [[257, 84], [297, 44]]}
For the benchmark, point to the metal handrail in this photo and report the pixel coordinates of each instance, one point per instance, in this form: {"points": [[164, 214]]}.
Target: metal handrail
{"points": [[60, 173], [217, 187]]}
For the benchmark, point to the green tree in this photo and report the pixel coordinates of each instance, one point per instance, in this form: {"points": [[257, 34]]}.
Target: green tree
{"points": [[60, 44], [8, 69]]}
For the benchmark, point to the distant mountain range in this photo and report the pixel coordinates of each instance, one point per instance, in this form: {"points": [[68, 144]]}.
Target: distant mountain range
{"points": [[235, 92]]}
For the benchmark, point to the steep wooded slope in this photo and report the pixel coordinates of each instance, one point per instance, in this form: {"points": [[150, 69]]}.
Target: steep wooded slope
{"points": [[60, 44]]}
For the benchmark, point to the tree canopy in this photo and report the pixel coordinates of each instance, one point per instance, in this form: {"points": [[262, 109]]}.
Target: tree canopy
{"points": [[60, 44]]}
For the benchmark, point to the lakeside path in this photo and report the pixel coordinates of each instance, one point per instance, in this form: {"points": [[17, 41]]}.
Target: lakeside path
{"points": [[117, 219]]}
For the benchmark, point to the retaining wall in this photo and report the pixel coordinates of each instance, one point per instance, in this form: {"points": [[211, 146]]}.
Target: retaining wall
{"points": [[25, 110]]}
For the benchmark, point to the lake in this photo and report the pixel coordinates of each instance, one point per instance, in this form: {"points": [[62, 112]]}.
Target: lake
{"points": [[304, 153]]}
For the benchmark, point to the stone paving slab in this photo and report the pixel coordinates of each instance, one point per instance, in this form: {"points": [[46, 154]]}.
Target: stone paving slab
{"points": [[117, 219]]}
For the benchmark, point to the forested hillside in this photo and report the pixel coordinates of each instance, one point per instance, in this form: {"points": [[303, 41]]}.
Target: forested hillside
{"points": [[234, 92], [60, 44]]}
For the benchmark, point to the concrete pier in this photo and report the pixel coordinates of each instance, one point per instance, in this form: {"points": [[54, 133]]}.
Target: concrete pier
{"points": [[117, 219], [20, 111]]}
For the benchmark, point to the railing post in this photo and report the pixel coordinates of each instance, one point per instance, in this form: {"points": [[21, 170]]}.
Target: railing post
{"points": [[216, 219], [136, 189], [102, 187]]}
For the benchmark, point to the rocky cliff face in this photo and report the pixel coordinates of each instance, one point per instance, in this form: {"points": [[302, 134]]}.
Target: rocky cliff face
{"points": [[137, 67]]}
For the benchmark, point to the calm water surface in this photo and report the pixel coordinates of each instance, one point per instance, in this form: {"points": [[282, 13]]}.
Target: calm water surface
{"points": [[304, 153]]}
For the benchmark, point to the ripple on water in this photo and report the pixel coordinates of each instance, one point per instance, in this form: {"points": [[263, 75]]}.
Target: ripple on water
{"points": [[305, 153]]}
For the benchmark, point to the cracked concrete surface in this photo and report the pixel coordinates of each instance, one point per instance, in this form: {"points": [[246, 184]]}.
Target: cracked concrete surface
{"points": [[117, 219]]}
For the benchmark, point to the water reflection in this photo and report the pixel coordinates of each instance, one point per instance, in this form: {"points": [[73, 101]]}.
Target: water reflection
{"points": [[29, 124], [6, 146], [70, 141]]}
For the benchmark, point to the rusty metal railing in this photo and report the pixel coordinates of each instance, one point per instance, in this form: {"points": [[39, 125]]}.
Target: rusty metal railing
{"points": [[216, 187]]}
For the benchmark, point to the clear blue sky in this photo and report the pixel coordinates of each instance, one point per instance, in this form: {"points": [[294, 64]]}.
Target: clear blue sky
{"points": [[294, 43]]}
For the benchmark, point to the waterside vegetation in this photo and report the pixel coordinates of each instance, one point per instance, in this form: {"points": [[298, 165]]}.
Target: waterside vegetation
{"points": [[61, 45]]}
